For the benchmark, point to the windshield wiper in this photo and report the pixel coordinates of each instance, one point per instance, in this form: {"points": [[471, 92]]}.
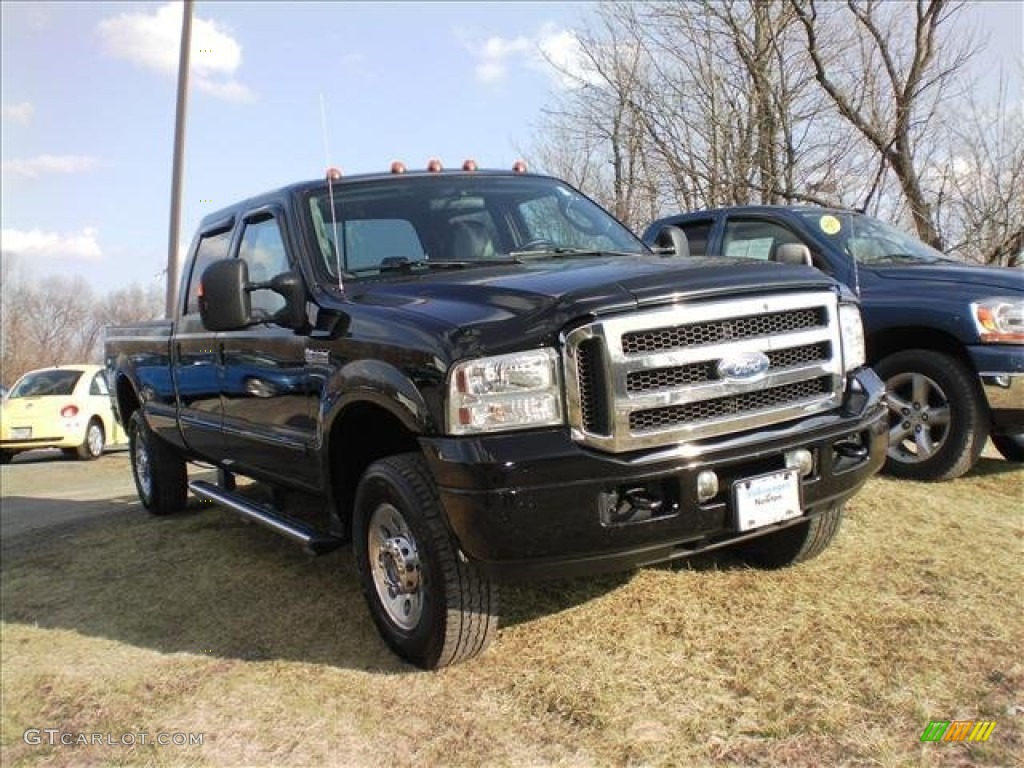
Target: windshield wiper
{"points": [[402, 264], [559, 251]]}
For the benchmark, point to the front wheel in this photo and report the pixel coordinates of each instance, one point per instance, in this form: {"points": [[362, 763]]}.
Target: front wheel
{"points": [[938, 422], [92, 446], [161, 477], [1010, 446], [793, 544], [430, 606]]}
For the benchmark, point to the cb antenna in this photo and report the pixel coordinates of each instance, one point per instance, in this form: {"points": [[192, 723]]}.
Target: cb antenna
{"points": [[332, 175]]}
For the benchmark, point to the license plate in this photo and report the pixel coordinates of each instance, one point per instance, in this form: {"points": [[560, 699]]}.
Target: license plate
{"points": [[21, 433], [767, 499]]}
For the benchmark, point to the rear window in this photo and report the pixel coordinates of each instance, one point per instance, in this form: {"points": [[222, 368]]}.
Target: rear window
{"points": [[43, 383]]}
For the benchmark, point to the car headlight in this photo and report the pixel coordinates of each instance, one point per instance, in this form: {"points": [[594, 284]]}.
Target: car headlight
{"points": [[852, 332], [999, 320], [493, 394]]}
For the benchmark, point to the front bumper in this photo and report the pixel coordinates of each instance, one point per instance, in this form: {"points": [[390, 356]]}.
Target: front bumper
{"points": [[1001, 370], [537, 504]]}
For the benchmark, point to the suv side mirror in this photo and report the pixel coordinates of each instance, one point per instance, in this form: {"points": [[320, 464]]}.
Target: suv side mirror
{"points": [[224, 303], [671, 240]]}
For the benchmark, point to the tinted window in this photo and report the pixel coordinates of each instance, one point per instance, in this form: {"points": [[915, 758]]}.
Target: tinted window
{"points": [[697, 233], [755, 239], [211, 248], [369, 241], [98, 385], [43, 383], [869, 240], [262, 248]]}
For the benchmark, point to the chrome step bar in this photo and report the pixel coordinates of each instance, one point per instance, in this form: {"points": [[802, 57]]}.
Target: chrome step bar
{"points": [[312, 540]]}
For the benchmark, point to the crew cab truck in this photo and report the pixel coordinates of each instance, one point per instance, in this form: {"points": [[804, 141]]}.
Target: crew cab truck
{"points": [[947, 338], [482, 376]]}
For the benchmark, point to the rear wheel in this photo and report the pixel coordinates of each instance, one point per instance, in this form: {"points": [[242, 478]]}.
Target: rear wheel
{"points": [[793, 544], [1010, 446], [92, 447], [938, 423], [430, 606], [160, 474]]}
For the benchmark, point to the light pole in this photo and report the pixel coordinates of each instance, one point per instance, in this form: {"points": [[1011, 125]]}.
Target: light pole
{"points": [[179, 152]]}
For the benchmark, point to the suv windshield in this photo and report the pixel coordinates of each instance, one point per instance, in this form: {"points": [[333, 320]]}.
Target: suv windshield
{"points": [[869, 240], [457, 221], [43, 383]]}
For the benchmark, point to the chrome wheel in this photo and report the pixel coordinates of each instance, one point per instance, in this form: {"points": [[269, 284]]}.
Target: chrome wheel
{"points": [[395, 566], [94, 439], [143, 472], [918, 417]]}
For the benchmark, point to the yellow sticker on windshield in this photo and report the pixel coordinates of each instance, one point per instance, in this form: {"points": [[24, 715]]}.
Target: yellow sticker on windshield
{"points": [[829, 224]]}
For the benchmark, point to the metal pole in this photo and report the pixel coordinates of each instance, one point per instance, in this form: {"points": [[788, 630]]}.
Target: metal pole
{"points": [[179, 152]]}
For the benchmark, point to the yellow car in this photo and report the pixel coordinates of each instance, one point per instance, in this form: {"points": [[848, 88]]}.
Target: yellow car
{"points": [[66, 407]]}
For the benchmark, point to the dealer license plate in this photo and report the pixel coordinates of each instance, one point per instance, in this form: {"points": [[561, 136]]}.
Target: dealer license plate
{"points": [[767, 499], [21, 433]]}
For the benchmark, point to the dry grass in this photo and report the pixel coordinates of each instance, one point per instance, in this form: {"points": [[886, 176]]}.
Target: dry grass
{"points": [[202, 623]]}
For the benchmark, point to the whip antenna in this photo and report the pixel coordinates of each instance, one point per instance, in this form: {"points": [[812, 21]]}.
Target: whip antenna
{"points": [[332, 174]]}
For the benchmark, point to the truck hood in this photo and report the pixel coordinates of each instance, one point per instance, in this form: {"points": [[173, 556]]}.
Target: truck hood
{"points": [[995, 278], [521, 304]]}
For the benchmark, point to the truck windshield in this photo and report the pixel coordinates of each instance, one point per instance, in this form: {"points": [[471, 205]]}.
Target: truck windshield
{"points": [[869, 240], [457, 221], [43, 383]]}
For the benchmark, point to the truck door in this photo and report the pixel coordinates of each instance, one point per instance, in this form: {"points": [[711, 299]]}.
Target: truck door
{"points": [[267, 398]]}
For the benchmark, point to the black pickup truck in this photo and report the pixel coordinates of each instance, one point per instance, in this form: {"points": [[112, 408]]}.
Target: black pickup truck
{"points": [[482, 376], [947, 337]]}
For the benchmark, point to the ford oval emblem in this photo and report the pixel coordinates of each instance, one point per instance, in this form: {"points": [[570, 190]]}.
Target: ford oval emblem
{"points": [[745, 366]]}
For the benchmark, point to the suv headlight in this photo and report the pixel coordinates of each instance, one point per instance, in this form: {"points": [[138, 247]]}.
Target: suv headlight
{"points": [[852, 332], [999, 320], [494, 394]]}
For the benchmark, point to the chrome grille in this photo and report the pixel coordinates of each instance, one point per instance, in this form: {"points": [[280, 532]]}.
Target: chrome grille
{"points": [[655, 377]]}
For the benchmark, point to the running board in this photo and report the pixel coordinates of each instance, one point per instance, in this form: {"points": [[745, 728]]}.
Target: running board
{"points": [[313, 541]]}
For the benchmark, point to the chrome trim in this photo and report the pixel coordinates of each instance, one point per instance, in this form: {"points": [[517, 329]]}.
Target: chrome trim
{"points": [[617, 365]]}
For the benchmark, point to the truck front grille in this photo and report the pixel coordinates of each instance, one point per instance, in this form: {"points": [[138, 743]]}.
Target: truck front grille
{"points": [[662, 376]]}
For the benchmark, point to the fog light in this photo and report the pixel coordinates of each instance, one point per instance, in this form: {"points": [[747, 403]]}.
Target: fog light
{"points": [[707, 486], [801, 459]]}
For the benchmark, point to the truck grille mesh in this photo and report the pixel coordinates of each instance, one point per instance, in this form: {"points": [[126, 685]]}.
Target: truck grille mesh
{"points": [[651, 378]]}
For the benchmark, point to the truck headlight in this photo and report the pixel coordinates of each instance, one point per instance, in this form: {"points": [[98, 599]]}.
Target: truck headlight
{"points": [[516, 391], [852, 331], [999, 320]]}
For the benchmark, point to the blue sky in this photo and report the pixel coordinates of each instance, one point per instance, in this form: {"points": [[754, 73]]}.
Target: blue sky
{"points": [[88, 95]]}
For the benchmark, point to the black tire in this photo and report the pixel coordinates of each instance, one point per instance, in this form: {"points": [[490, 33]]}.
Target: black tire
{"points": [[6, 457], [794, 544], [160, 474], [445, 611], [93, 444], [938, 420], [1010, 446]]}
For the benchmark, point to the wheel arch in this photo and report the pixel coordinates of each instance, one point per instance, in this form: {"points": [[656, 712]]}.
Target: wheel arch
{"points": [[126, 400], [885, 342]]}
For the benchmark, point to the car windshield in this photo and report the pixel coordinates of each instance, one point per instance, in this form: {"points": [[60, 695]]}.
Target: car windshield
{"points": [[457, 221], [869, 240], [40, 383]]}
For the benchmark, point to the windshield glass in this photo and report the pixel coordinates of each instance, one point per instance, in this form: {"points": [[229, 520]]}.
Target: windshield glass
{"points": [[45, 383], [869, 240], [463, 220]]}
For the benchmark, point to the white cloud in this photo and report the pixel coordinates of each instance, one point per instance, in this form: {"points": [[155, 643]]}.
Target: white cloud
{"points": [[19, 113], [554, 51], [46, 164], [152, 41], [52, 245]]}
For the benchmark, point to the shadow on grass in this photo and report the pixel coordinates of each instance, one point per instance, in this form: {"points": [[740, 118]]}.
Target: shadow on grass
{"points": [[208, 582], [987, 467]]}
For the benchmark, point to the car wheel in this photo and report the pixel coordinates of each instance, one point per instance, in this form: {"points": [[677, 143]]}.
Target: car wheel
{"points": [[793, 544], [160, 475], [1010, 446], [92, 447], [6, 457], [430, 606], [938, 422]]}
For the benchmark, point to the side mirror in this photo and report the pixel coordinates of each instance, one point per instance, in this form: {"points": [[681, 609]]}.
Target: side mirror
{"points": [[672, 240], [290, 286], [793, 253], [224, 303]]}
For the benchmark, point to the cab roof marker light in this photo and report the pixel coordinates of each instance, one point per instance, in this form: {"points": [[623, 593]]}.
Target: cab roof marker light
{"points": [[469, 165], [334, 174], [434, 165], [398, 167], [519, 166]]}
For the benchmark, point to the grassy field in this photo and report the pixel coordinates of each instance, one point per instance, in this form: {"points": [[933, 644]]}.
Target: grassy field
{"points": [[204, 624]]}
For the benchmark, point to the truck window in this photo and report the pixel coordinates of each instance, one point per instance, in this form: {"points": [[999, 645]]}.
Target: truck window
{"points": [[754, 239], [212, 247], [263, 250], [697, 233], [369, 241]]}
